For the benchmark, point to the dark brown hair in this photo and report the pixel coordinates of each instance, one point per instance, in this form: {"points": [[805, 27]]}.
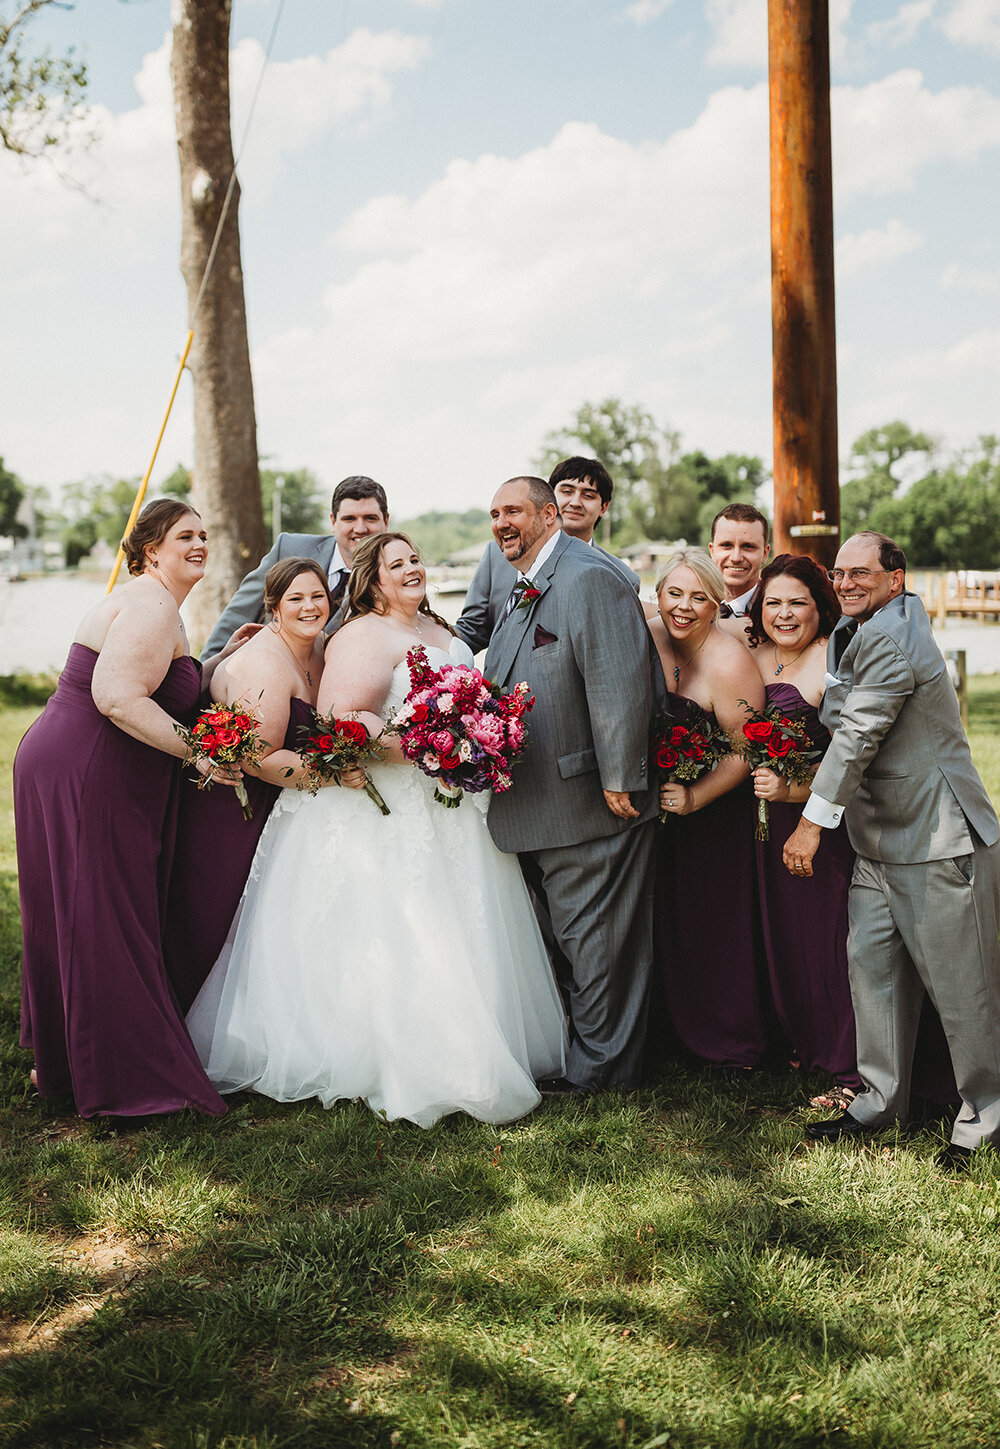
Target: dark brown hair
{"points": [[282, 575], [151, 527], [363, 593], [742, 513], [890, 556], [808, 572]]}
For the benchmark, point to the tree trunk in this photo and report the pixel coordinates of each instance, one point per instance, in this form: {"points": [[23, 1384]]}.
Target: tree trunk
{"points": [[226, 483]]}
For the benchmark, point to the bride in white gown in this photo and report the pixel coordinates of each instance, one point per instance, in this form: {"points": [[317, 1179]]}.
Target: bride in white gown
{"points": [[396, 959]]}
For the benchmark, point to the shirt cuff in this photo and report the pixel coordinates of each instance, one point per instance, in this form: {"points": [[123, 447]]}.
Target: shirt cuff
{"points": [[822, 812]]}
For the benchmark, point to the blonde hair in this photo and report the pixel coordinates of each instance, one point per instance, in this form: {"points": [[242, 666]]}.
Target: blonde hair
{"points": [[701, 564]]}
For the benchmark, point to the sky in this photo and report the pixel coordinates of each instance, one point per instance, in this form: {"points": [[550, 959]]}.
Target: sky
{"points": [[462, 219]]}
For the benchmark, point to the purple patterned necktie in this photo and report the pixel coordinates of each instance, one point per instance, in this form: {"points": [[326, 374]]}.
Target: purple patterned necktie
{"points": [[516, 595]]}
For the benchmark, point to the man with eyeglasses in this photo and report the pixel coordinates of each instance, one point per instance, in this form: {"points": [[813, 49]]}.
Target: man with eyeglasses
{"points": [[924, 906]]}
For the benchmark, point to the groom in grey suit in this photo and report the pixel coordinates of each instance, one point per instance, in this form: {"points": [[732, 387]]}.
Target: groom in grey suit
{"points": [[582, 809], [924, 911], [583, 489], [358, 508]]}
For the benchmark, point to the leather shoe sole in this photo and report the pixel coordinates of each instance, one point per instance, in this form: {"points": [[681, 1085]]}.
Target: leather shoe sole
{"points": [[834, 1128], [561, 1087], [954, 1158]]}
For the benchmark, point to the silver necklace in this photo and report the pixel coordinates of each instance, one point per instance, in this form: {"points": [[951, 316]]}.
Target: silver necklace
{"points": [[788, 661], [684, 665], [305, 672]]}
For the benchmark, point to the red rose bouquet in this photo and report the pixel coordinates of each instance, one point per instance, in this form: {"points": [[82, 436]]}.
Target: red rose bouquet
{"points": [[333, 745], [459, 728], [770, 739], [226, 735], [684, 750]]}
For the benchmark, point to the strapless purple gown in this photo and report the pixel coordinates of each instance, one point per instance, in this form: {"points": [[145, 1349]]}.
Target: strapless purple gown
{"points": [[212, 857], [805, 926], [706, 930], [95, 812]]}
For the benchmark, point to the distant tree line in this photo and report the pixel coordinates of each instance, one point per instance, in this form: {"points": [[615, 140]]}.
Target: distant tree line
{"points": [[943, 510]]}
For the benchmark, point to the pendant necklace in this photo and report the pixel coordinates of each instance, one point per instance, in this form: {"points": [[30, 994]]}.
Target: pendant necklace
{"points": [[679, 667], [789, 661], [305, 672]]}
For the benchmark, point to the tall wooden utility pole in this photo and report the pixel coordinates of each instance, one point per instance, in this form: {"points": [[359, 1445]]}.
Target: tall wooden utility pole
{"points": [[806, 485]]}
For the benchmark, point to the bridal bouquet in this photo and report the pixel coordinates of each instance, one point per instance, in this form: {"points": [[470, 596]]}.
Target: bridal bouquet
{"points": [[226, 735], [684, 751], [769, 738], [333, 745], [459, 728]]}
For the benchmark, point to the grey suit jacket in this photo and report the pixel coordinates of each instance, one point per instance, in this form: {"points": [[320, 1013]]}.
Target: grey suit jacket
{"points": [[491, 587], [584, 650], [246, 605], [899, 759]]}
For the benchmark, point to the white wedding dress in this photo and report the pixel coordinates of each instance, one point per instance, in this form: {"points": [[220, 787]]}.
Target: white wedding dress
{"points": [[392, 958]]}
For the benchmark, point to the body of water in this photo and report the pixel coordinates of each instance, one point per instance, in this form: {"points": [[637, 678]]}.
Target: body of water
{"points": [[38, 618]]}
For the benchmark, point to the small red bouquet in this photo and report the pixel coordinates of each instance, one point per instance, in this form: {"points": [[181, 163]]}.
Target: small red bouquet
{"points": [[226, 735], [684, 750], [460, 729], [334, 745], [770, 739]]}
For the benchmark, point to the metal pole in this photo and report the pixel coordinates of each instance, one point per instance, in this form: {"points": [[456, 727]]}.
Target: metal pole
{"points": [[279, 483], [806, 485]]}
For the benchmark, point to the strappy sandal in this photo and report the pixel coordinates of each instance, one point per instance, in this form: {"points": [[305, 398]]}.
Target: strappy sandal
{"points": [[837, 1099]]}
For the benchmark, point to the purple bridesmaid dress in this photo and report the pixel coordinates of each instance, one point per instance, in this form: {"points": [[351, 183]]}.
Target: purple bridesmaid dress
{"points": [[804, 921], [212, 857], [706, 929], [94, 812]]}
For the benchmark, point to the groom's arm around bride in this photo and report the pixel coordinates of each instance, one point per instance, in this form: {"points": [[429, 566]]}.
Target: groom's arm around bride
{"points": [[581, 811]]}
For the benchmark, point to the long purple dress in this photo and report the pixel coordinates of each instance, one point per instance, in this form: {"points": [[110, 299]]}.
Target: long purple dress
{"points": [[212, 858], [94, 811], [804, 921], [706, 929]]}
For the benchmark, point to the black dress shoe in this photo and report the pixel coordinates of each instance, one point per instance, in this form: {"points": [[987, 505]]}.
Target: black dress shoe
{"points": [[561, 1087], [836, 1127], [954, 1158]]}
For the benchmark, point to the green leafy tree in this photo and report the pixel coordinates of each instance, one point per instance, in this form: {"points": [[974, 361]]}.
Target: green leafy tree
{"points": [[951, 517], [636, 452], [95, 508], [12, 495], [41, 94], [303, 505], [875, 457], [439, 535], [304, 509]]}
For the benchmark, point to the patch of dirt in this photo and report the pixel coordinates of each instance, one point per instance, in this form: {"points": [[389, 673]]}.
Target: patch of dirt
{"points": [[110, 1264]]}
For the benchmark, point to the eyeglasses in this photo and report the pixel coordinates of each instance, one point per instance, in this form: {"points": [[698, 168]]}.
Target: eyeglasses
{"points": [[854, 576]]}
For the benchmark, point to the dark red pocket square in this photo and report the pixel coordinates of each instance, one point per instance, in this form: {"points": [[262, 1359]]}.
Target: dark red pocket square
{"points": [[542, 636]]}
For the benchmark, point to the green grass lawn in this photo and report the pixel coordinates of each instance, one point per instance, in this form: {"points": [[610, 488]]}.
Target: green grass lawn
{"points": [[669, 1268]]}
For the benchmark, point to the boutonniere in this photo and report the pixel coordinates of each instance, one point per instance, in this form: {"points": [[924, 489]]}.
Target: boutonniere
{"points": [[528, 598]]}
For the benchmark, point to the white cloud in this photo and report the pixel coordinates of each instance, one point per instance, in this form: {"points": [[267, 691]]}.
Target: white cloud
{"points": [[856, 255], [970, 279], [740, 29], [948, 390], [643, 11], [974, 23], [885, 132], [903, 27]]}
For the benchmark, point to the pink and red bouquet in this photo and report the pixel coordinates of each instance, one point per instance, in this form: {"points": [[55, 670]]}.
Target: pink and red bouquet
{"points": [[334, 745], [226, 735], [684, 750], [769, 738], [459, 728]]}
